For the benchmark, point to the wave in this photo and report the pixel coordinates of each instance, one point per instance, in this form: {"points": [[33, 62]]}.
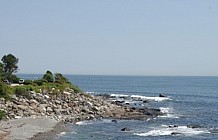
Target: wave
{"points": [[174, 130], [119, 95], [81, 123], [168, 113], [61, 134], [157, 99], [169, 116], [135, 97], [140, 97]]}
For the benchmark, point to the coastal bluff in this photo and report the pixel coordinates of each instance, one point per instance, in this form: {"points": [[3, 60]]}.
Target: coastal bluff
{"points": [[71, 107]]}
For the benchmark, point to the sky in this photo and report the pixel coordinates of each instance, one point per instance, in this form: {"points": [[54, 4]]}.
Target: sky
{"points": [[112, 37]]}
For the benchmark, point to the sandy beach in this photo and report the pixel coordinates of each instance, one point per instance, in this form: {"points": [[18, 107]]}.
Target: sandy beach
{"points": [[30, 128]]}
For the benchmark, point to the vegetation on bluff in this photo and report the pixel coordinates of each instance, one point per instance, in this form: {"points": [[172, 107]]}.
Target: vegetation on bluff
{"points": [[50, 83]]}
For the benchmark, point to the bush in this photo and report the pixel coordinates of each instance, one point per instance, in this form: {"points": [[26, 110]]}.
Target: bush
{"points": [[59, 78], [4, 91], [38, 82], [48, 77], [76, 88], [23, 91], [2, 114], [14, 79], [28, 82]]}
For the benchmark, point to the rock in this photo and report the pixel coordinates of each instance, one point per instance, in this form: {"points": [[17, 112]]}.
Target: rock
{"points": [[146, 101], [85, 110], [33, 101], [57, 111], [214, 131], [58, 102], [176, 133], [152, 112], [17, 117], [12, 115], [41, 109], [49, 109], [22, 107], [14, 97], [172, 126], [194, 126], [67, 93], [114, 121], [33, 106], [162, 95], [89, 104], [46, 96], [65, 105], [95, 108], [125, 129], [65, 111]]}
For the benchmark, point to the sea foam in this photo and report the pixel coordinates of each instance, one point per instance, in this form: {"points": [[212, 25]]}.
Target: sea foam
{"points": [[157, 99], [140, 97], [177, 130]]}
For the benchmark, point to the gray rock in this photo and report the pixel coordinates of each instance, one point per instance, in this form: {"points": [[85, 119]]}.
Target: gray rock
{"points": [[176, 133], [162, 95], [125, 129], [58, 102], [49, 109], [41, 109], [57, 111], [32, 101], [214, 131], [194, 126], [14, 97], [95, 108], [22, 107]]}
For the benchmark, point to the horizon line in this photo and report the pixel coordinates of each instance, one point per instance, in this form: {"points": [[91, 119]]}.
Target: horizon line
{"points": [[124, 75]]}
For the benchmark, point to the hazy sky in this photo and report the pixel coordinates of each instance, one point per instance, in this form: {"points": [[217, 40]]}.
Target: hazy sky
{"points": [[128, 37]]}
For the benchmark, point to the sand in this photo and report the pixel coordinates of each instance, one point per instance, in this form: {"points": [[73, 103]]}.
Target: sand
{"points": [[30, 128]]}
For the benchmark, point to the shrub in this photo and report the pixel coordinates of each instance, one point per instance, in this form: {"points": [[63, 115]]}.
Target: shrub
{"points": [[76, 88], [59, 78], [38, 82], [2, 114], [14, 79], [28, 82], [23, 91], [48, 77], [4, 91]]}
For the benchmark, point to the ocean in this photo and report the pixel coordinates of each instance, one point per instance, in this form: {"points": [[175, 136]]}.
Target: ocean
{"points": [[191, 101]]}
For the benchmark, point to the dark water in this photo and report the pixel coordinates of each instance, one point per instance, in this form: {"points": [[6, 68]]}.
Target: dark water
{"points": [[193, 100]]}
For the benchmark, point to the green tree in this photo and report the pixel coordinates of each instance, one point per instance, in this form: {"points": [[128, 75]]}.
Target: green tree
{"points": [[48, 76], [9, 65], [59, 78], [1, 70]]}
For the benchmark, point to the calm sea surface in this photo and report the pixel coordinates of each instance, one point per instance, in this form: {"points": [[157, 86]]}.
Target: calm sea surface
{"points": [[192, 101]]}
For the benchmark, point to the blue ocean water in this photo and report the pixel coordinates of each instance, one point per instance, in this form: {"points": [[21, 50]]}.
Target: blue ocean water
{"points": [[193, 101]]}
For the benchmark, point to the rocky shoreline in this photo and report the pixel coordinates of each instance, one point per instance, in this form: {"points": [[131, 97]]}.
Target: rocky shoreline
{"points": [[70, 107]]}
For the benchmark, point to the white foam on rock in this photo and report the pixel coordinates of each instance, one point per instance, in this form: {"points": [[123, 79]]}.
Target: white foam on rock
{"points": [[169, 116], [81, 123], [157, 99], [179, 130], [61, 134], [166, 110], [139, 97], [119, 95]]}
